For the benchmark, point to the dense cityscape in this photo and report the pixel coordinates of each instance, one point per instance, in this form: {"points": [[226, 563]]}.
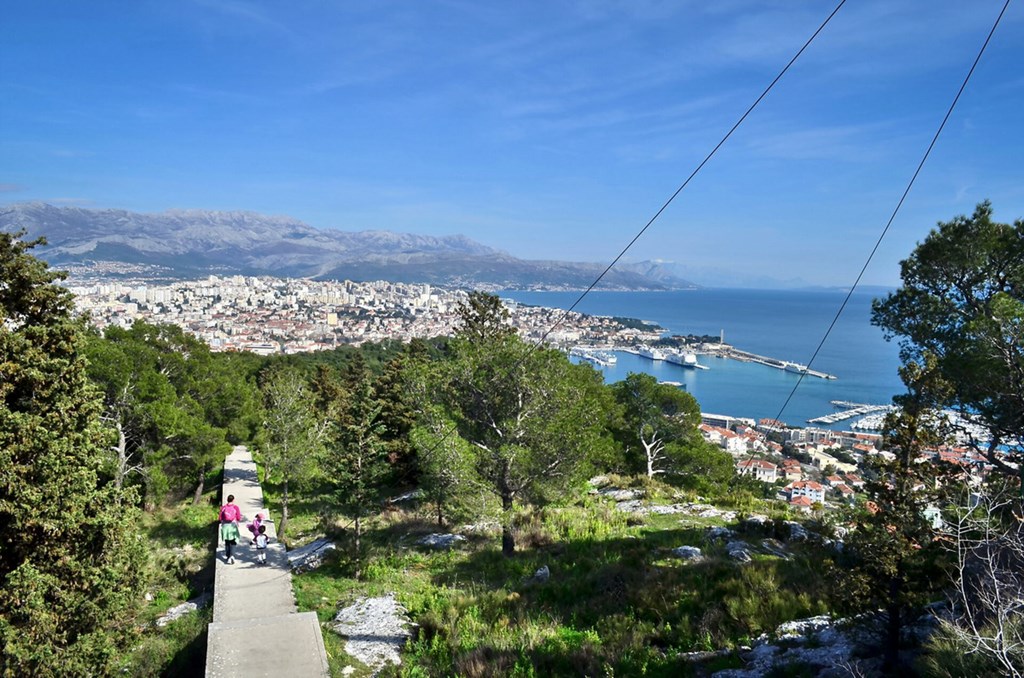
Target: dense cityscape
{"points": [[266, 316], [274, 315]]}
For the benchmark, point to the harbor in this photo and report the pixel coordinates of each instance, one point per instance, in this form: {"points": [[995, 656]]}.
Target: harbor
{"points": [[745, 356], [598, 356], [688, 358], [850, 411], [776, 324]]}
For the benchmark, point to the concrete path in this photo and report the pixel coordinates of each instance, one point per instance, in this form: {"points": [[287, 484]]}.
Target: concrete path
{"points": [[256, 630]]}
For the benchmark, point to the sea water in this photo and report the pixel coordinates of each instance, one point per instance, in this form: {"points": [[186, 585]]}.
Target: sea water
{"points": [[787, 325]]}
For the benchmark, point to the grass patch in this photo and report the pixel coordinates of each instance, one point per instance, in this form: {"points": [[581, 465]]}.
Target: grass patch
{"points": [[616, 603], [178, 649], [182, 539]]}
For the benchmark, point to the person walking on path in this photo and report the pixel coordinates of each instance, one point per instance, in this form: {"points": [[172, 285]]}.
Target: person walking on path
{"points": [[254, 526], [229, 533], [261, 542], [230, 514]]}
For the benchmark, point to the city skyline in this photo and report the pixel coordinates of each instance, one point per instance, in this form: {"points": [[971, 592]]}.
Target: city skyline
{"points": [[551, 132]]}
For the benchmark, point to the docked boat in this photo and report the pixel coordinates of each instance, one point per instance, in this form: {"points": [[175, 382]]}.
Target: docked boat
{"points": [[688, 360], [651, 353], [793, 367], [599, 358]]}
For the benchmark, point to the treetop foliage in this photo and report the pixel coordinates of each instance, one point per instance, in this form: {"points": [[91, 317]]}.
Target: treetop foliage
{"points": [[962, 300], [70, 565]]}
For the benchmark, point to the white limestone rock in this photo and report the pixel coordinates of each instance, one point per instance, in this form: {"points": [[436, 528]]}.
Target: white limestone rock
{"points": [[619, 494], [738, 551], [375, 629], [690, 553], [310, 556], [179, 611], [440, 541], [719, 534]]}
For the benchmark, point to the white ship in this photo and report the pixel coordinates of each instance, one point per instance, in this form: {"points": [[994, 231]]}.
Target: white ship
{"points": [[651, 353], [793, 367], [687, 359]]}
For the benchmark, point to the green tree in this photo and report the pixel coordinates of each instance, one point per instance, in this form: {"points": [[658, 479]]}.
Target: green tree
{"points": [[293, 434], [398, 417], [962, 301], [532, 417], [701, 465], [171, 402], [444, 461], [483, 317], [446, 465], [358, 460], [894, 559], [658, 419], [71, 561], [110, 368]]}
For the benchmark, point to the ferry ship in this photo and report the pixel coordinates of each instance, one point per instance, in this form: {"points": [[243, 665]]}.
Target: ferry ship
{"points": [[651, 353], [687, 359], [793, 367]]}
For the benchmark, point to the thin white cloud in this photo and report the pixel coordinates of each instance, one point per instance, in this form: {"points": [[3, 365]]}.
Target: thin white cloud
{"points": [[251, 13], [846, 143]]}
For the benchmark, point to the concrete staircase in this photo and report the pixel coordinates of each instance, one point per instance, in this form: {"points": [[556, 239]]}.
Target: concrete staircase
{"points": [[256, 629]]}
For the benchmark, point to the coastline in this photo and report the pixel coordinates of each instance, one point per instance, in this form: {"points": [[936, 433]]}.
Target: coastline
{"points": [[780, 326]]}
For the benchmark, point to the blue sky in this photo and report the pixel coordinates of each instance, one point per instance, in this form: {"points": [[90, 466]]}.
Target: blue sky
{"points": [[547, 129]]}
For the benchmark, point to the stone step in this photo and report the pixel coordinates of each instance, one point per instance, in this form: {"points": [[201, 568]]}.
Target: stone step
{"points": [[256, 630], [284, 645]]}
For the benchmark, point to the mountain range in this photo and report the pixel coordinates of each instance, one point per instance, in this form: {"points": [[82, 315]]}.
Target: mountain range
{"points": [[191, 243]]}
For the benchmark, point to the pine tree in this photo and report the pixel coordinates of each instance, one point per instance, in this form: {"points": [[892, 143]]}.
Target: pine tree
{"points": [[70, 565], [294, 435], [533, 418], [357, 460], [894, 559]]}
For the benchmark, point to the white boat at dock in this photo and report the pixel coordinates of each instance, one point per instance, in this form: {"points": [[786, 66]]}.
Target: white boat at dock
{"points": [[872, 414], [651, 353], [599, 358], [685, 359]]}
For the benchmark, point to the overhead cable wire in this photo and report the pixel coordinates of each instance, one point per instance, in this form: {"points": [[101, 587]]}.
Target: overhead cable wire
{"points": [[693, 174], [892, 217], [540, 342], [899, 205]]}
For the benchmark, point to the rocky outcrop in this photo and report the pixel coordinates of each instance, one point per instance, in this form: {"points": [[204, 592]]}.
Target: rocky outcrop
{"points": [[375, 630], [179, 611], [813, 647], [438, 540], [310, 556]]}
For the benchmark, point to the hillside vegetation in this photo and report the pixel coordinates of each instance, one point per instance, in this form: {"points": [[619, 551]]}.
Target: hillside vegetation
{"points": [[573, 510]]}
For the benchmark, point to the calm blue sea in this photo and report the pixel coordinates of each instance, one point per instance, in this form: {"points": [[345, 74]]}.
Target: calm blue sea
{"points": [[782, 324]]}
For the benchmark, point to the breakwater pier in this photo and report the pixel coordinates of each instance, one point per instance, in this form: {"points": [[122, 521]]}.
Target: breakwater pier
{"points": [[747, 357]]}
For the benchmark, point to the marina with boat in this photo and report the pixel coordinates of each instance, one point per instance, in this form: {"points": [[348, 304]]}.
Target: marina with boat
{"points": [[687, 358], [852, 410], [598, 356]]}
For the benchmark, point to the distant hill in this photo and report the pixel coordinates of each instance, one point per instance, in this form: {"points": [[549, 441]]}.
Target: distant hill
{"points": [[196, 242]]}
